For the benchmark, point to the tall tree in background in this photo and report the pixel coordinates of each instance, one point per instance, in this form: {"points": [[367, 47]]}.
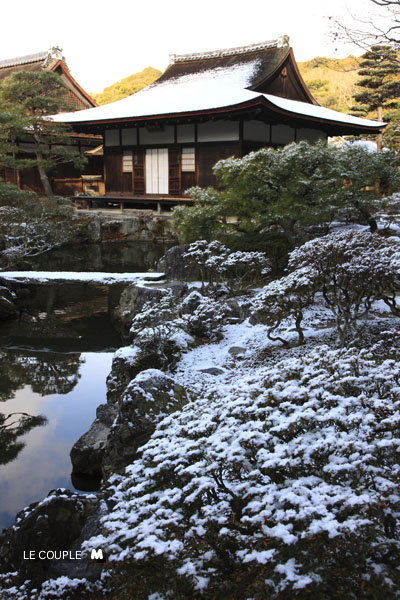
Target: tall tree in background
{"points": [[26, 101], [380, 83]]}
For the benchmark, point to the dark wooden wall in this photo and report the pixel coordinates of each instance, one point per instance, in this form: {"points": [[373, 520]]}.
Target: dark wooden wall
{"points": [[208, 155]]}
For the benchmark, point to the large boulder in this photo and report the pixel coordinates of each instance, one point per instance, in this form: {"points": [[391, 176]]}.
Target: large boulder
{"points": [[55, 524], [125, 366], [148, 398], [174, 265], [87, 453]]}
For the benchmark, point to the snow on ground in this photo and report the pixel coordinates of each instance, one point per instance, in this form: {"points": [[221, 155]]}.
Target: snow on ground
{"points": [[248, 343], [294, 433]]}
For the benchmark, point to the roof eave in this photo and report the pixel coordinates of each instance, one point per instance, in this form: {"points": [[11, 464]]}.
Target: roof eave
{"points": [[348, 128], [339, 127]]}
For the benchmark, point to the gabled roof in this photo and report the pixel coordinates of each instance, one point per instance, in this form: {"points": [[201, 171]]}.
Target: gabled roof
{"points": [[265, 60], [51, 60], [224, 82]]}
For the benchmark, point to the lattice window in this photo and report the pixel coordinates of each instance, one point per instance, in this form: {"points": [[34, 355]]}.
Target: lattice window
{"points": [[127, 161], [188, 160]]}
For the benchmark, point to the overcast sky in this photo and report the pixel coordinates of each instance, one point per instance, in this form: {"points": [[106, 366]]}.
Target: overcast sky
{"points": [[106, 40]]}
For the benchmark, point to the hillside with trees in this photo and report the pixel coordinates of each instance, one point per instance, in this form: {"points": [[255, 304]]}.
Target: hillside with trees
{"points": [[332, 81], [127, 86]]}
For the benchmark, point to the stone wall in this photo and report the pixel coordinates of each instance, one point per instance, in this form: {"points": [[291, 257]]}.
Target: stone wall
{"points": [[135, 226]]}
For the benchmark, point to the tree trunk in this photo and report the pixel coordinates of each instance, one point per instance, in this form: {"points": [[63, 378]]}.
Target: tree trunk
{"points": [[42, 173], [45, 183], [379, 139]]}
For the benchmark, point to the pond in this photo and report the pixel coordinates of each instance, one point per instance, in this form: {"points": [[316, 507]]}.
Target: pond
{"points": [[65, 386], [54, 360]]}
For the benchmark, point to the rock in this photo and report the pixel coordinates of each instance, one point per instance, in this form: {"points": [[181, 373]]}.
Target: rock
{"points": [[212, 371], [174, 265], [53, 524], [236, 350], [148, 398], [238, 311], [87, 453], [124, 368], [134, 297], [191, 302], [94, 229]]}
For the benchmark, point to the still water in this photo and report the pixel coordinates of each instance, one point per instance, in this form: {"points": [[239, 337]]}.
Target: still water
{"points": [[66, 389]]}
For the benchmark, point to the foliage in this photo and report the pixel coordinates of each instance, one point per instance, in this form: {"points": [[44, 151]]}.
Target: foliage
{"points": [[283, 299], [331, 80], [217, 263], [29, 98], [128, 86], [291, 188], [159, 335], [352, 270], [271, 490], [30, 226], [380, 79], [205, 220], [203, 317]]}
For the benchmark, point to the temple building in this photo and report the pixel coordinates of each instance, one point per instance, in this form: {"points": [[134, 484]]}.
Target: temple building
{"points": [[65, 179], [205, 107]]}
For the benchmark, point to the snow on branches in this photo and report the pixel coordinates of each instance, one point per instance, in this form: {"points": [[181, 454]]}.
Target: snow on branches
{"points": [[272, 488], [217, 263], [285, 298], [352, 269]]}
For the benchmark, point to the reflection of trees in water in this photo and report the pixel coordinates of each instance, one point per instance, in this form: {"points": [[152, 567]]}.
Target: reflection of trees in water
{"points": [[12, 426], [46, 373]]}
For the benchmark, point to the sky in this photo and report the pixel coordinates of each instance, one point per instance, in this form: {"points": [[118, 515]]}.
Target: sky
{"points": [[104, 41]]}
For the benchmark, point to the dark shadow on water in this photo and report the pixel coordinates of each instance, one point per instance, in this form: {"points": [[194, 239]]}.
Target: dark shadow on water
{"points": [[86, 334]]}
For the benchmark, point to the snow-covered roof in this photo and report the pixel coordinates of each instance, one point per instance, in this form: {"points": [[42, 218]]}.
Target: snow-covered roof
{"points": [[320, 112], [225, 88], [190, 93], [216, 81]]}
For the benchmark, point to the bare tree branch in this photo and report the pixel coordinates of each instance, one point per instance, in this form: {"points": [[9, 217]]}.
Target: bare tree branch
{"points": [[382, 29]]}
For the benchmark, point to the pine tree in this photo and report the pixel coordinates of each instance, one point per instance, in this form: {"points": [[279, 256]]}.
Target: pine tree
{"points": [[380, 82], [26, 101]]}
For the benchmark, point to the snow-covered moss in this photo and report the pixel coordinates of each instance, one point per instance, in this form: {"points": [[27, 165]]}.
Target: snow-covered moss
{"points": [[271, 489]]}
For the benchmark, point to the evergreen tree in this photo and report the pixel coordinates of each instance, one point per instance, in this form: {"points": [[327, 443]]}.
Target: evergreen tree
{"points": [[26, 101], [380, 83]]}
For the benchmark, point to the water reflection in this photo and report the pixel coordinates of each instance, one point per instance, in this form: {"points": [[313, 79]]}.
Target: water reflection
{"points": [[66, 389], [13, 426], [46, 372]]}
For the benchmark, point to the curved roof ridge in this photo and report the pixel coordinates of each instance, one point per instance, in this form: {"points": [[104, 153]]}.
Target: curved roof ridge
{"points": [[277, 43]]}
